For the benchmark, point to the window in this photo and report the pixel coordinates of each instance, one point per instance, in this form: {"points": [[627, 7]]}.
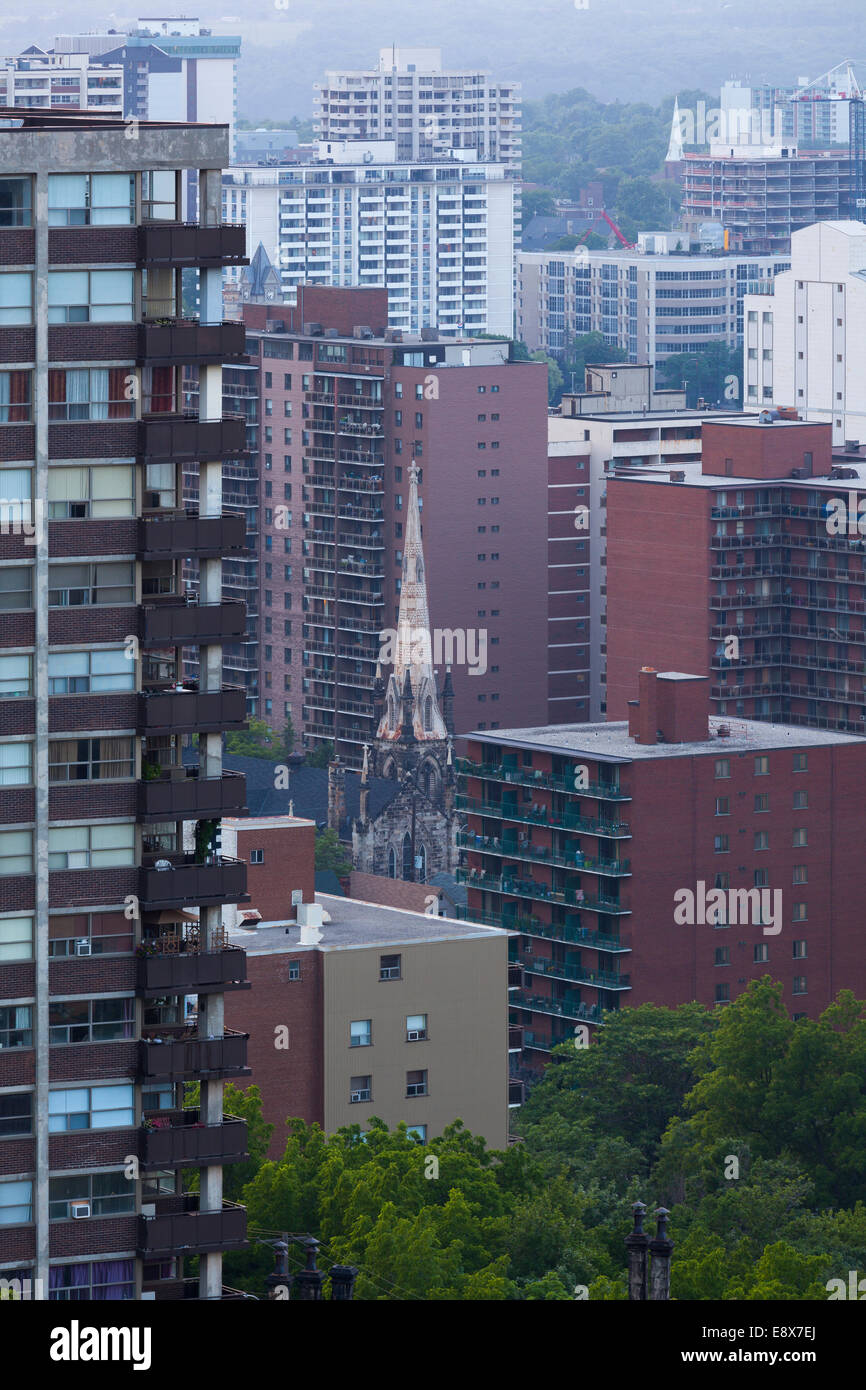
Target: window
{"points": [[90, 296], [90, 1020], [90, 672], [723, 806], [91, 492], [90, 393], [762, 767], [97, 846], [16, 1113], [723, 994], [801, 799], [158, 195], [799, 838], [98, 1280], [16, 763], [109, 1194], [416, 1083], [257, 856], [723, 768], [799, 985], [96, 200], [799, 950], [801, 762], [720, 844], [16, 1026], [16, 202], [417, 1132], [416, 1028], [16, 933], [16, 1203], [762, 839], [389, 967], [15, 397], [361, 1033], [360, 1089], [91, 1107], [294, 969], [723, 955], [762, 802], [16, 297], [16, 852], [761, 953], [15, 586], [105, 582], [90, 759]]}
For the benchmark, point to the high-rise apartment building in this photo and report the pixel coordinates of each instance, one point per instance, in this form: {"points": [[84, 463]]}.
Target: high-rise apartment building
{"points": [[427, 110], [650, 305], [36, 80], [113, 963], [347, 408], [757, 572], [669, 858]]}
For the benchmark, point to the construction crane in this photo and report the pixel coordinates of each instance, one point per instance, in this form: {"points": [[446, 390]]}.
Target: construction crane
{"points": [[629, 245], [853, 94]]}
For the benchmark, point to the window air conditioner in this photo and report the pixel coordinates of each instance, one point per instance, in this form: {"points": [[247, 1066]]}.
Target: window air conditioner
{"points": [[416, 1035], [78, 1210], [82, 947]]}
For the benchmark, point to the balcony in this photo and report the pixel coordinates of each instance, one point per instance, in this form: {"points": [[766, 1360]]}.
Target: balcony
{"points": [[182, 711], [528, 814], [175, 1138], [551, 931], [189, 340], [189, 796], [568, 859], [168, 438], [188, 243], [189, 971], [561, 1008], [179, 622], [207, 885], [188, 1058], [192, 1232], [535, 777], [186, 533], [601, 979], [532, 888]]}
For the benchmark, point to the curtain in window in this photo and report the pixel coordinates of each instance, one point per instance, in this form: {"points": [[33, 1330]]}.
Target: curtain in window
{"points": [[113, 1279], [115, 755], [14, 397], [75, 1278], [161, 390], [119, 408]]}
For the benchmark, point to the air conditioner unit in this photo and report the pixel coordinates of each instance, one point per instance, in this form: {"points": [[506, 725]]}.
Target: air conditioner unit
{"points": [[82, 947], [359, 1095], [79, 1210], [416, 1035]]}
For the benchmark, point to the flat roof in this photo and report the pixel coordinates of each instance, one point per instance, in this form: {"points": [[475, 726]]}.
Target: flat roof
{"points": [[612, 743], [355, 925], [657, 472]]}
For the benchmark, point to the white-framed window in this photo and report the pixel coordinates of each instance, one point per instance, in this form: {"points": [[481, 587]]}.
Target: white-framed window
{"points": [[89, 672], [16, 296], [94, 200], [16, 852], [16, 763], [90, 846], [360, 1089], [90, 583], [416, 1083], [91, 1107], [16, 937], [417, 1132], [16, 1203], [76, 493], [361, 1032], [257, 856], [90, 296], [416, 1027]]}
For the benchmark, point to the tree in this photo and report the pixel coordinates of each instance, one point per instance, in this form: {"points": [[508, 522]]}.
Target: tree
{"points": [[588, 348], [713, 372], [257, 740], [321, 755], [330, 854], [287, 741], [537, 202], [554, 376]]}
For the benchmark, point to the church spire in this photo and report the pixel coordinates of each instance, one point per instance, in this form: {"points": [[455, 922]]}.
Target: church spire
{"points": [[675, 145], [411, 680]]}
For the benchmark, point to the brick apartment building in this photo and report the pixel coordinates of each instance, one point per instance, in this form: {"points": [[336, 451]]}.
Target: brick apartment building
{"points": [[346, 408], [584, 839], [755, 579], [109, 932]]}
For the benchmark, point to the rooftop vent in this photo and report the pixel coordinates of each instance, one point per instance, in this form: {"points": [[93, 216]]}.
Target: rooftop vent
{"points": [[429, 335], [724, 731], [313, 330], [362, 330], [852, 446], [677, 475], [393, 335]]}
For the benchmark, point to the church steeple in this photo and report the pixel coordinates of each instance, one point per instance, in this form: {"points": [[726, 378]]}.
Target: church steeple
{"points": [[411, 699], [675, 144]]}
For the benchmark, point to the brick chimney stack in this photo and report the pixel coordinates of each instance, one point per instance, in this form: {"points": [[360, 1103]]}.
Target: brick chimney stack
{"points": [[647, 722], [672, 707]]}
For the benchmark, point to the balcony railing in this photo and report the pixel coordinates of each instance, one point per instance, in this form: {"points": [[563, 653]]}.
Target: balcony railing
{"points": [[188, 243], [534, 777], [513, 849], [563, 1008], [164, 438], [192, 1231], [187, 882], [190, 340], [187, 533], [192, 711], [183, 622], [529, 888], [602, 979], [195, 797], [551, 931], [190, 971], [188, 1058], [174, 1138], [535, 815]]}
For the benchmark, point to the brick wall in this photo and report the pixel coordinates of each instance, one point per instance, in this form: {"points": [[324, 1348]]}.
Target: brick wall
{"points": [[118, 537], [92, 624], [82, 712], [95, 1061], [17, 246], [93, 439], [86, 342], [83, 245], [17, 344], [289, 862], [74, 887], [94, 1237], [17, 442]]}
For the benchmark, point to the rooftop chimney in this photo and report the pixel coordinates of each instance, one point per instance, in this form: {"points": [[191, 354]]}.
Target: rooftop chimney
{"points": [[673, 707], [647, 720], [310, 922]]}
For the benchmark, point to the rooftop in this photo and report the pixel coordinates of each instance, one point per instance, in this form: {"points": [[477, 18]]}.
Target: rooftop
{"points": [[356, 925], [611, 742]]}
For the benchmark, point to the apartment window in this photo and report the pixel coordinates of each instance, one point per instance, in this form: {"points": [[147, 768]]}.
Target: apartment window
{"points": [[90, 759], [158, 195], [723, 955], [720, 844], [389, 967], [398, 390], [97, 1279], [761, 878], [761, 953], [723, 806], [361, 1033], [801, 799], [799, 985], [16, 1203], [91, 1107], [90, 1020], [16, 763], [762, 767], [90, 296], [16, 202], [723, 994], [416, 1028], [257, 856], [799, 913], [762, 802], [800, 837], [97, 846], [107, 582], [16, 297], [294, 969], [16, 1114], [16, 935], [360, 1089], [16, 852], [90, 672], [15, 586], [77, 493], [801, 762], [799, 949], [762, 839], [416, 1083], [15, 397], [801, 873], [16, 1026], [723, 768], [95, 200], [90, 393], [108, 1194], [417, 1132]]}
